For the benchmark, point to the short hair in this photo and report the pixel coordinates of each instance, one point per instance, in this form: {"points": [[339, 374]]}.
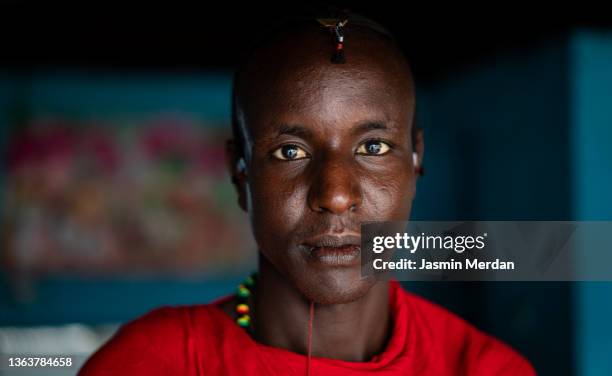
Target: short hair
{"points": [[304, 18]]}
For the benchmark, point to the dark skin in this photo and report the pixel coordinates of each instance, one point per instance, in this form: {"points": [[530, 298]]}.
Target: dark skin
{"points": [[328, 146]]}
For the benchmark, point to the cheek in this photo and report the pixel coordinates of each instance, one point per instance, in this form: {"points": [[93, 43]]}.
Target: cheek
{"points": [[387, 198], [278, 207]]}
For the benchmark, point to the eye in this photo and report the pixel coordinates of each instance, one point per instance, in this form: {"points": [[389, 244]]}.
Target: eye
{"points": [[290, 153], [373, 147]]}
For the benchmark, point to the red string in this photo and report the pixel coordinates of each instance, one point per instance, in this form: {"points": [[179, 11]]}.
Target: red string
{"points": [[310, 320]]}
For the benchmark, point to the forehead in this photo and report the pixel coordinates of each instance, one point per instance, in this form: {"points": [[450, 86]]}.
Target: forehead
{"points": [[303, 86]]}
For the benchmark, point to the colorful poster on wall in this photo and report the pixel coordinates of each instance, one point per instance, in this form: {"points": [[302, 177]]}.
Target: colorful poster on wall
{"points": [[114, 195]]}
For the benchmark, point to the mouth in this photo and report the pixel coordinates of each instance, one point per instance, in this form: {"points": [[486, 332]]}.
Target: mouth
{"points": [[330, 250]]}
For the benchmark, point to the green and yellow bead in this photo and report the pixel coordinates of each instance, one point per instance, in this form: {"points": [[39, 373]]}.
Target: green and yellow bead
{"points": [[244, 321], [243, 292]]}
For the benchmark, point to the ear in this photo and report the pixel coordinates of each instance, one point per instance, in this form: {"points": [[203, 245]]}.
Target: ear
{"points": [[236, 166], [418, 147]]}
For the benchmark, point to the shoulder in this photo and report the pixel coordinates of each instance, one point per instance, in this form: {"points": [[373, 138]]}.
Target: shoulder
{"points": [[163, 320], [458, 346], [161, 326], [149, 344]]}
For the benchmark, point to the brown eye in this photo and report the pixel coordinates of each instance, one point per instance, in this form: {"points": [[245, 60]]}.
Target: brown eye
{"points": [[289, 153], [373, 147]]}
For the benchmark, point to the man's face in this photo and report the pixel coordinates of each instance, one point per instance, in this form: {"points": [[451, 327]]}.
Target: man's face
{"points": [[331, 148]]}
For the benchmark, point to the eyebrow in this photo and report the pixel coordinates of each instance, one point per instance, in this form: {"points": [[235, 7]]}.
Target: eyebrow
{"points": [[369, 126], [294, 130]]}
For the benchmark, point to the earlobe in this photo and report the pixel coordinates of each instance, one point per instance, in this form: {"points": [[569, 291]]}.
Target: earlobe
{"points": [[417, 155], [237, 170], [240, 182], [418, 169], [241, 166]]}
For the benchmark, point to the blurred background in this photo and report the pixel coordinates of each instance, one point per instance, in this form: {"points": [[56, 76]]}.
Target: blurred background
{"points": [[115, 200]]}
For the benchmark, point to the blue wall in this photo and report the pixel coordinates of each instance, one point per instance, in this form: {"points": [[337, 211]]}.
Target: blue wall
{"points": [[527, 135], [498, 148], [84, 95], [592, 187]]}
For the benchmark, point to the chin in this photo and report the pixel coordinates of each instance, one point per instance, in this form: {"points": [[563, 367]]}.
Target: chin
{"points": [[334, 286]]}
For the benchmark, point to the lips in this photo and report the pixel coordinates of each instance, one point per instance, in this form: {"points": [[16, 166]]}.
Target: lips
{"points": [[334, 250]]}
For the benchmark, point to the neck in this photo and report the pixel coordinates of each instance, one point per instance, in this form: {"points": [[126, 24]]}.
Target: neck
{"points": [[353, 331]]}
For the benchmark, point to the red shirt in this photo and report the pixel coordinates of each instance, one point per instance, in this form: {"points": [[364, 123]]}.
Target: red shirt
{"points": [[204, 340]]}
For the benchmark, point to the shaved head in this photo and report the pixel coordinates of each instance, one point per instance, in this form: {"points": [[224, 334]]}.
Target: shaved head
{"points": [[296, 52]]}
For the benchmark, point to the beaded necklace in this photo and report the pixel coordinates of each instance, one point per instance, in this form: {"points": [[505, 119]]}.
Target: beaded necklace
{"points": [[242, 302]]}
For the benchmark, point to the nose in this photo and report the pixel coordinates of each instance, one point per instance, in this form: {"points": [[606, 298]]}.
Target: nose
{"points": [[335, 188]]}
